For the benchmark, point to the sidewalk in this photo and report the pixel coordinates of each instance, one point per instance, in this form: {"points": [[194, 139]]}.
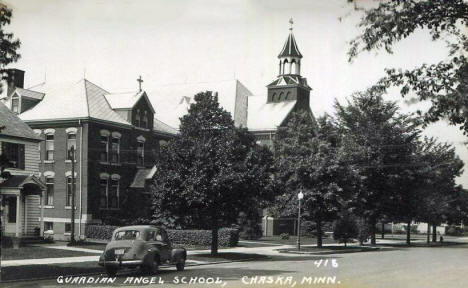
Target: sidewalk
{"points": [[268, 251]]}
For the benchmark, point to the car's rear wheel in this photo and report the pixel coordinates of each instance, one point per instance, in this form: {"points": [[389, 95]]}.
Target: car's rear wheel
{"points": [[181, 265], [111, 271]]}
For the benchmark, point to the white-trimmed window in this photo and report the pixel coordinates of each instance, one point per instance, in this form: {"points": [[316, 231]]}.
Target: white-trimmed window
{"points": [[144, 120], [71, 142], [49, 146], [103, 192], [137, 118], [67, 227], [104, 149], [15, 104], [49, 199], [109, 191], [69, 190], [115, 147]]}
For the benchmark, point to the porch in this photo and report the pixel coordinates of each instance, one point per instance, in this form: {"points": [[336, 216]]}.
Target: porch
{"points": [[22, 206]]}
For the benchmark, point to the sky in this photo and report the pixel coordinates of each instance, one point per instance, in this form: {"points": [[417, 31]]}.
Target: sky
{"points": [[111, 43]]}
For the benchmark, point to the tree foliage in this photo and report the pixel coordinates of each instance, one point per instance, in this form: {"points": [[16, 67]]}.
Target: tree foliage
{"points": [[308, 159], [379, 141], [444, 84], [9, 45], [210, 172]]}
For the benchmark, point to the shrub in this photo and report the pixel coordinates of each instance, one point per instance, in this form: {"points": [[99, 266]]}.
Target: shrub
{"points": [[226, 236], [284, 236], [102, 232], [345, 229]]}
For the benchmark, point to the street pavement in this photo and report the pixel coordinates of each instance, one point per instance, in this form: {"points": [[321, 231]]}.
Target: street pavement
{"points": [[393, 267]]}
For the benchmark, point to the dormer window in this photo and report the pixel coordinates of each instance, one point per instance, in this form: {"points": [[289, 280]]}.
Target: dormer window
{"points": [[137, 118], [144, 120], [15, 104]]}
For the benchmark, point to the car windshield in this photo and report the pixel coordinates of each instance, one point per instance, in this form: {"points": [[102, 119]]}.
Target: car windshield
{"points": [[127, 235]]}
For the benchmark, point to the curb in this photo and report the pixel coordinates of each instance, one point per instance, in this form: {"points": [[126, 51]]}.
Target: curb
{"points": [[99, 273]]}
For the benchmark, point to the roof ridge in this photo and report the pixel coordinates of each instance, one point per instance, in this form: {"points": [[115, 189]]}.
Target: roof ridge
{"points": [[86, 96]]}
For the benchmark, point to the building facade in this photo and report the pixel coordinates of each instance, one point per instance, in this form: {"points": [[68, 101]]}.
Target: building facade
{"points": [[115, 137], [21, 190]]}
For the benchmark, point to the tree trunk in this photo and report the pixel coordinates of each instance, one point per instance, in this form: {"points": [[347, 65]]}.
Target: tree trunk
{"points": [[408, 232], [214, 238], [372, 231], [383, 230], [434, 232], [319, 233], [428, 233]]}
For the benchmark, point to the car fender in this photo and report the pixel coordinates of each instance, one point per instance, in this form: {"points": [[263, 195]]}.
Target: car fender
{"points": [[151, 254], [178, 254]]}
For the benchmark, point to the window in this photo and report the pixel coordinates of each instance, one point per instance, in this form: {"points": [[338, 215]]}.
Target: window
{"points": [[141, 154], [137, 118], [15, 104], [104, 154], [115, 150], [14, 153], [113, 199], [50, 191], [127, 235], [48, 226], [144, 121], [69, 190], [67, 227], [71, 142], [103, 193], [49, 147], [11, 209]]}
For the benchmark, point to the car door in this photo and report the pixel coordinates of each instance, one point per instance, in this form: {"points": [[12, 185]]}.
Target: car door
{"points": [[160, 242]]}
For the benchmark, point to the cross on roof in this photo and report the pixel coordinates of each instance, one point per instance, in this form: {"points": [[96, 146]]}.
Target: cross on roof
{"points": [[139, 83], [291, 22]]}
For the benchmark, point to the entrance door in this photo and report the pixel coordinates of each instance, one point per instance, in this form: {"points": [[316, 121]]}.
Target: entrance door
{"points": [[10, 215]]}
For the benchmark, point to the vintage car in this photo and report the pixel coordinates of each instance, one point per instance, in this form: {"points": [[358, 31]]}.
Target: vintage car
{"points": [[143, 246]]}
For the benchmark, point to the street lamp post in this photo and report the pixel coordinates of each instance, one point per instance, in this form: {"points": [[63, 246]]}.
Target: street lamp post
{"points": [[300, 195]]}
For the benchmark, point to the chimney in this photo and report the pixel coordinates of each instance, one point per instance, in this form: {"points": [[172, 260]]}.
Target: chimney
{"points": [[15, 79]]}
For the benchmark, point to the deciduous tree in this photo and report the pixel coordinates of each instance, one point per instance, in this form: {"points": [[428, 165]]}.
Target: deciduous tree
{"points": [[8, 43]]}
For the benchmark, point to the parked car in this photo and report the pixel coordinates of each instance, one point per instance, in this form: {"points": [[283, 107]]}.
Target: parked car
{"points": [[143, 246]]}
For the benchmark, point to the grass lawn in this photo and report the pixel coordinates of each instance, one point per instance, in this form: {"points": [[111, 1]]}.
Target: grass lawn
{"points": [[226, 256], [36, 252], [305, 240], [49, 271], [329, 250]]}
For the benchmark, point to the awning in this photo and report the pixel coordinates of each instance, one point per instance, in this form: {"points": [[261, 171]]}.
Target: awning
{"points": [[141, 176], [20, 181]]}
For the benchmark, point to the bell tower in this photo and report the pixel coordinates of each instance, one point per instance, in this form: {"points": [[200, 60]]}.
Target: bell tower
{"points": [[289, 85]]}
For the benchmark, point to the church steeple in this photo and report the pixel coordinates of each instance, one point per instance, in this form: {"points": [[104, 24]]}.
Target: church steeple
{"points": [[289, 85], [290, 57]]}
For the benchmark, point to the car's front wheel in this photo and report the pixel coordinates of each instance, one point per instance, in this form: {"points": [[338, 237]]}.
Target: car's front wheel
{"points": [[111, 271], [181, 265], [151, 268]]}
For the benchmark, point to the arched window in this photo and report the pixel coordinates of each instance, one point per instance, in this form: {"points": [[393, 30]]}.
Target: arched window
{"points": [[49, 144], [293, 67], [141, 151], [144, 120], [71, 142], [280, 66], [115, 147], [288, 94], [285, 65], [273, 97], [281, 95], [137, 118]]}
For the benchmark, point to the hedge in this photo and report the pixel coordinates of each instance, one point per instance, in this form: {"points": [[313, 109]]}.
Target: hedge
{"points": [[226, 236]]}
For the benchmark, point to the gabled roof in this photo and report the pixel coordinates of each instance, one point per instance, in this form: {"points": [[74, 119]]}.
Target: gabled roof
{"points": [[18, 181], [284, 80], [290, 48], [29, 93], [159, 126], [13, 126], [82, 99], [127, 100], [267, 116], [174, 100]]}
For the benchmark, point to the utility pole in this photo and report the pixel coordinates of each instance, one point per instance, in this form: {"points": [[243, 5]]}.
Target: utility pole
{"points": [[72, 156]]}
